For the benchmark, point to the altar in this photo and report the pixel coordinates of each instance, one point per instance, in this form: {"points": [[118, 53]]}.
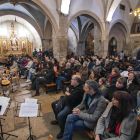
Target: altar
{"points": [[13, 44]]}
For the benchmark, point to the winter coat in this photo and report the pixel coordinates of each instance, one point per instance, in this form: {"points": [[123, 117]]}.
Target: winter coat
{"points": [[84, 72], [49, 75], [91, 115], [108, 94], [75, 97], [127, 128], [113, 80], [67, 73], [97, 68]]}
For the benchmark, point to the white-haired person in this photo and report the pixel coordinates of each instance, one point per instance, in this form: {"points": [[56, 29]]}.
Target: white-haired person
{"points": [[97, 66]]}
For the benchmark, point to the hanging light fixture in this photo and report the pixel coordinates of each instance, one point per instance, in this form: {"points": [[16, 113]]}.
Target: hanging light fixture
{"points": [[14, 2], [136, 12]]}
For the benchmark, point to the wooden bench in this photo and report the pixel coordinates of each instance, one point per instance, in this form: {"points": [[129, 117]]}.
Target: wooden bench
{"points": [[89, 133], [50, 85]]}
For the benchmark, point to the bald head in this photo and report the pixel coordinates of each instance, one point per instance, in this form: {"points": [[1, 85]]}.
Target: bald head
{"points": [[76, 80]]}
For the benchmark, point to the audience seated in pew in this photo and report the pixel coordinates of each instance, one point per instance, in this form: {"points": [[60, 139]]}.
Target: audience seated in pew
{"points": [[112, 78], [86, 115], [121, 85], [27, 67], [132, 82], [65, 75], [77, 66], [107, 86], [73, 97], [33, 70], [119, 120], [47, 78], [95, 75], [103, 85], [84, 72]]}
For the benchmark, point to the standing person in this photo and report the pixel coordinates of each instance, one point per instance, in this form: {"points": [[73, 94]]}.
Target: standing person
{"points": [[86, 115], [119, 120], [74, 95], [50, 53], [45, 53], [34, 53], [114, 52], [121, 54], [40, 53]]}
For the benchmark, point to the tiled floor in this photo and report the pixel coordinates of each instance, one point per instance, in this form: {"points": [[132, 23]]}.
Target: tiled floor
{"points": [[41, 127]]}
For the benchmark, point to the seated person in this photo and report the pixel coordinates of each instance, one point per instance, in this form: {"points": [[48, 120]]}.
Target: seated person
{"points": [[90, 63], [61, 66], [137, 68], [84, 72], [55, 64], [97, 66], [120, 85], [33, 70], [103, 85], [74, 96], [112, 78], [14, 64], [27, 67], [119, 121], [8, 63], [132, 82], [47, 78], [95, 75], [134, 62], [77, 66], [65, 75], [86, 115], [125, 73]]}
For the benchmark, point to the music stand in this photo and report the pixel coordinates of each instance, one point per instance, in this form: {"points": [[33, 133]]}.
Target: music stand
{"points": [[5, 114], [31, 137]]}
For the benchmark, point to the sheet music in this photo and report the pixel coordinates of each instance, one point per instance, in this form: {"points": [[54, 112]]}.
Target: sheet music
{"points": [[4, 103], [28, 110], [31, 101]]}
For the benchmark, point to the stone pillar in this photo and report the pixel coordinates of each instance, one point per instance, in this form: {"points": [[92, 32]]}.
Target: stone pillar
{"points": [[60, 42], [81, 48], [46, 44], [97, 41]]}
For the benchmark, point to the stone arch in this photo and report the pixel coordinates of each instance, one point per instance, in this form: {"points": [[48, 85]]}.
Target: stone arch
{"points": [[117, 38], [25, 17], [43, 9], [126, 28], [85, 12]]}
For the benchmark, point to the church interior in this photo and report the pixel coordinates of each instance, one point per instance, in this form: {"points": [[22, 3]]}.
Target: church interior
{"points": [[94, 33]]}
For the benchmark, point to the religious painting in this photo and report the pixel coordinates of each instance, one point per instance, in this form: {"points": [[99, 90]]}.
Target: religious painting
{"points": [[23, 46]]}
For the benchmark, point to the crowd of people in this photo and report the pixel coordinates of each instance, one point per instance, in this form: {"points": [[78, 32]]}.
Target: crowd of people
{"points": [[94, 79]]}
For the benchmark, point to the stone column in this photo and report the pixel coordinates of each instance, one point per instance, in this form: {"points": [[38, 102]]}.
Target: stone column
{"points": [[46, 44], [81, 48], [60, 42], [98, 46]]}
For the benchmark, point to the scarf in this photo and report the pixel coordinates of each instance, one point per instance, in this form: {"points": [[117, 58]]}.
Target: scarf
{"points": [[111, 76], [114, 119]]}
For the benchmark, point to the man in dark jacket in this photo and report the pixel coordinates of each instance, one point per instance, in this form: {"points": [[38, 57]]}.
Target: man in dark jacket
{"points": [[74, 95], [86, 115], [65, 75], [47, 78], [134, 62]]}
